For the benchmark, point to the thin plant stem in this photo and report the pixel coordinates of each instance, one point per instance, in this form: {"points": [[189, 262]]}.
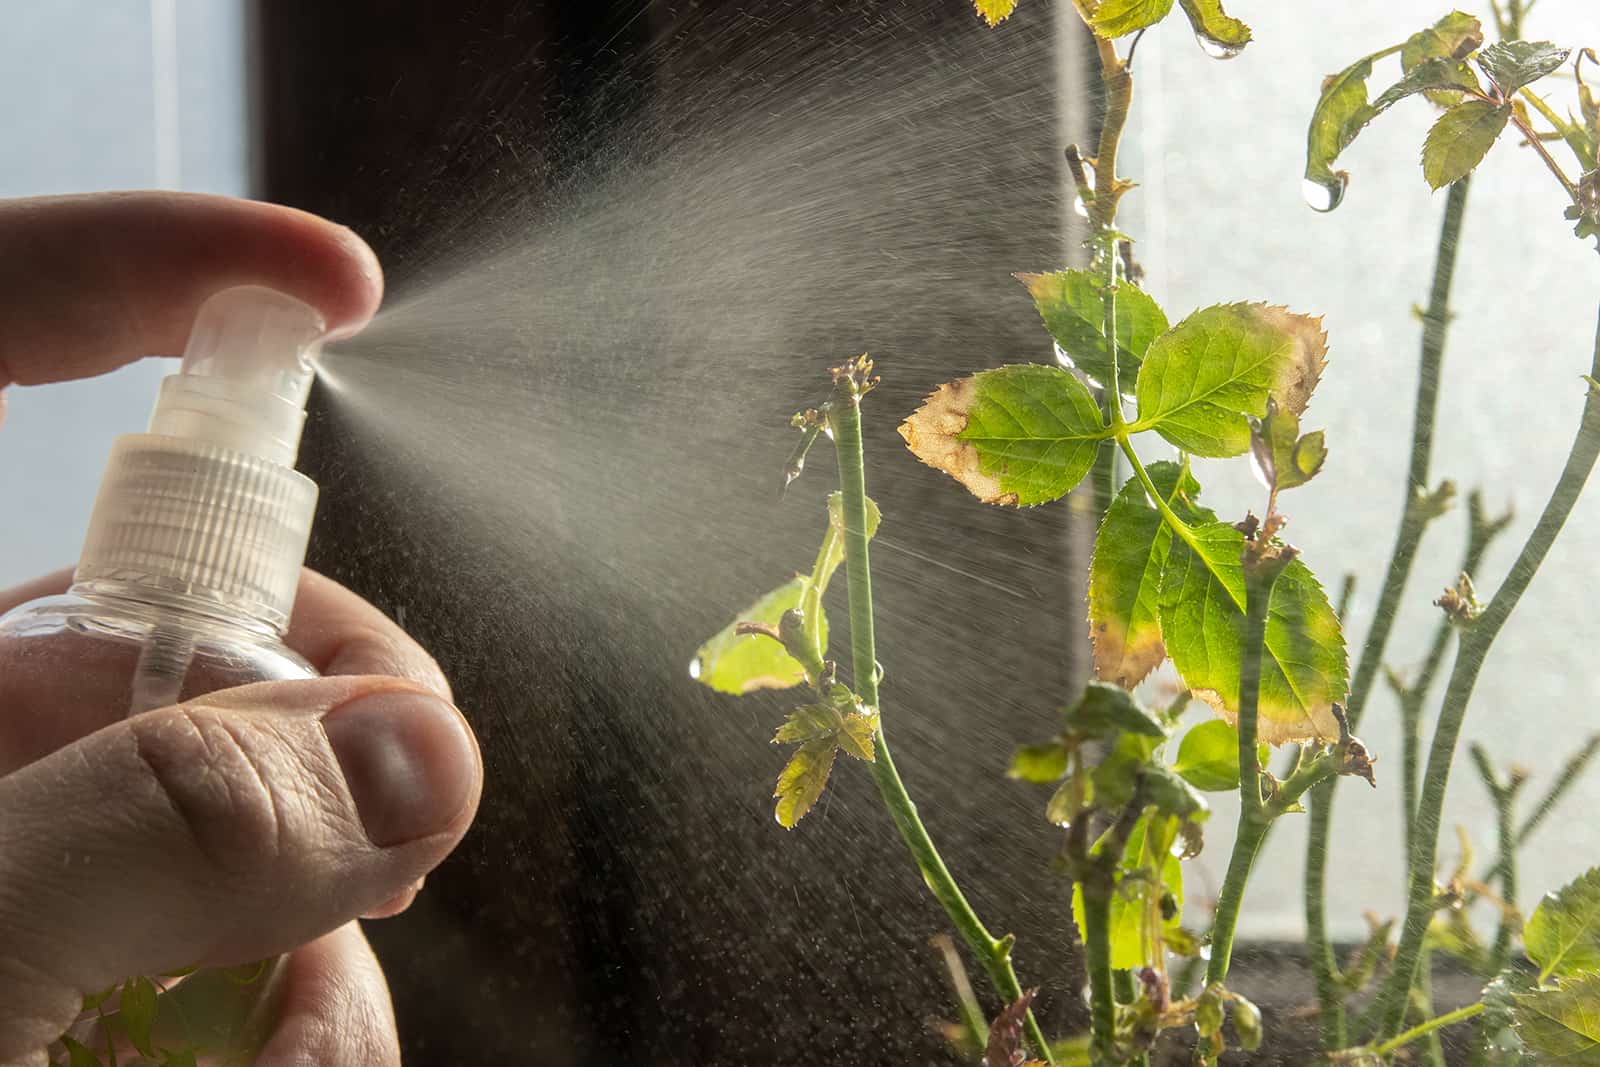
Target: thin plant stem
{"points": [[1472, 651], [993, 954], [1436, 320], [1253, 816], [1504, 795], [1569, 775], [1439, 1022]]}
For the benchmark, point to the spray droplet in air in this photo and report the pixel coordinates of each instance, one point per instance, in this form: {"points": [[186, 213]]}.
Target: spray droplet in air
{"points": [[1324, 197], [694, 668], [1217, 49]]}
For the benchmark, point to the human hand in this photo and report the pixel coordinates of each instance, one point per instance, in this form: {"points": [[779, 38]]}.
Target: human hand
{"points": [[249, 822]]}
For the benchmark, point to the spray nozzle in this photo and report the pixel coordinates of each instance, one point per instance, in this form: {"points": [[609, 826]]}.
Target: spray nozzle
{"points": [[246, 373], [208, 505]]}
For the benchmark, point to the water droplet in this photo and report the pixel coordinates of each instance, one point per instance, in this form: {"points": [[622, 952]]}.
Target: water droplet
{"points": [[1077, 206], [793, 471], [694, 668], [827, 431], [1324, 197], [1062, 357], [1217, 49]]}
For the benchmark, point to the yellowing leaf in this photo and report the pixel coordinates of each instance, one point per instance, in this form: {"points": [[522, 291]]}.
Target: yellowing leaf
{"points": [[802, 781], [994, 12], [1130, 552], [1562, 1024], [1042, 764], [856, 735], [1202, 379], [1149, 847], [1015, 436]]}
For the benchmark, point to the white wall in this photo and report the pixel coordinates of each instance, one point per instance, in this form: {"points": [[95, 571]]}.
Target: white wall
{"points": [[1220, 217], [104, 94]]}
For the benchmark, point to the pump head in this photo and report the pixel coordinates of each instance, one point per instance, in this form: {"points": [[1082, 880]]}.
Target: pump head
{"points": [[207, 505]]}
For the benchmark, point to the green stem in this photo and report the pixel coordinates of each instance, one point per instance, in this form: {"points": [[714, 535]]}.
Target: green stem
{"points": [[1424, 1029], [1504, 795], [1472, 651], [1436, 319], [994, 954], [1254, 818], [1097, 961]]}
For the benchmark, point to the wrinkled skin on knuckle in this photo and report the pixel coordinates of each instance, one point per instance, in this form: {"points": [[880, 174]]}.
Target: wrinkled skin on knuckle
{"points": [[236, 787]]}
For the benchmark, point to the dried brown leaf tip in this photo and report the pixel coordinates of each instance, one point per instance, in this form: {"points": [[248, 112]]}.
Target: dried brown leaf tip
{"points": [[1005, 1036], [933, 433], [1299, 375], [1460, 602]]}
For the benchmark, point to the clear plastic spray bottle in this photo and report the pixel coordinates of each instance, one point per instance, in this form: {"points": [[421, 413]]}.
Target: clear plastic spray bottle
{"points": [[191, 561]]}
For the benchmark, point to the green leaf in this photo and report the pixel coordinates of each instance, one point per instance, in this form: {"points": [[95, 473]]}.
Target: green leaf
{"points": [[1247, 1022], [1073, 309], [137, 1009], [1303, 665], [1130, 551], [1561, 1024], [1205, 376], [1502, 1046], [856, 735], [1513, 64], [1451, 39], [1061, 808], [737, 663], [1149, 845], [1171, 795], [1043, 764], [1208, 756], [995, 12], [1115, 18], [1563, 934], [79, 1055], [1459, 141], [1115, 777], [1226, 35], [1015, 436], [1106, 711], [1340, 114], [1282, 458], [732, 662], [802, 781], [809, 723]]}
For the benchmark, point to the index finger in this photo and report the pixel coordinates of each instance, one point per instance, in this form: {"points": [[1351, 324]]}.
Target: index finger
{"points": [[92, 282]]}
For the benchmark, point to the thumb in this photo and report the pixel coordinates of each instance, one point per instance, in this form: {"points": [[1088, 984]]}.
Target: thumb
{"points": [[231, 828]]}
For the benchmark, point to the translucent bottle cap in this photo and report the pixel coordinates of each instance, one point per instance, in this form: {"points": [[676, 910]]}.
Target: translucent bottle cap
{"points": [[207, 504]]}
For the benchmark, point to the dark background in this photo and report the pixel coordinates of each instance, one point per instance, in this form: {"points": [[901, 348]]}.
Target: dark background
{"points": [[613, 906]]}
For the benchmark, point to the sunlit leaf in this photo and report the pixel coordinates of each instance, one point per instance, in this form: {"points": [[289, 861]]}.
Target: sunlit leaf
{"points": [[856, 735], [1205, 376], [1513, 64], [1563, 934], [1226, 34], [1114, 18], [1208, 756], [995, 12], [1303, 665], [1561, 1024], [1073, 309], [738, 663], [802, 781], [1149, 849], [1460, 139], [1015, 436], [1130, 551], [1043, 764]]}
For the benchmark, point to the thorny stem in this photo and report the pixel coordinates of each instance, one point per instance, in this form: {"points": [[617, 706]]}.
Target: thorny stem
{"points": [[1253, 815], [993, 953], [1472, 651], [1436, 320], [1424, 1029]]}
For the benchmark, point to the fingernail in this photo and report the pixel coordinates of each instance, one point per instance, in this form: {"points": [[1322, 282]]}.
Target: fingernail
{"points": [[408, 760]]}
